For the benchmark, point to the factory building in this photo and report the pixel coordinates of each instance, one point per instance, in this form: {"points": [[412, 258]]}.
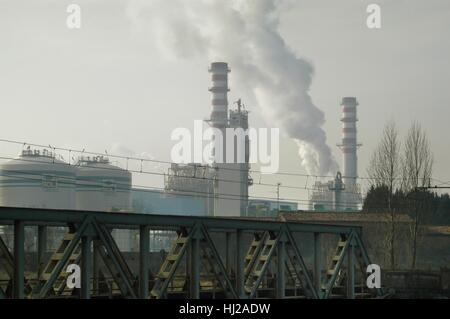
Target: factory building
{"points": [[232, 177], [269, 208], [321, 198], [191, 181], [160, 202], [239, 121], [223, 186]]}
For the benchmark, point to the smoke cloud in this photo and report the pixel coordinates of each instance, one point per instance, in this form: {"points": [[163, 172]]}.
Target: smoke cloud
{"points": [[245, 34]]}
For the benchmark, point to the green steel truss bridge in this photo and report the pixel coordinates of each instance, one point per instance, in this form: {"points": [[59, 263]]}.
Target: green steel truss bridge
{"points": [[210, 257]]}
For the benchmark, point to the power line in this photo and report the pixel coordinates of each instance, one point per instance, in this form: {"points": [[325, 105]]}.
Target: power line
{"points": [[170, 163], [356, 204], [196, 194], [80, 181], [164, 174]]}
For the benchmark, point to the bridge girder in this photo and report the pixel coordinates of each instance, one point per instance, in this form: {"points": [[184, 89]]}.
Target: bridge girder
{"points": [[246, 277]]}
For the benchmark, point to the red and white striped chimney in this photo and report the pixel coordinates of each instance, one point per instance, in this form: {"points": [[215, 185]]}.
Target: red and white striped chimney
{"points": [[219, 94], [349, 144]]}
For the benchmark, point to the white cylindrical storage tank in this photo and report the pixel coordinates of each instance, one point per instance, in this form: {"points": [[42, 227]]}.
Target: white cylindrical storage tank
{"points": [[102, 186], [37, 179]]}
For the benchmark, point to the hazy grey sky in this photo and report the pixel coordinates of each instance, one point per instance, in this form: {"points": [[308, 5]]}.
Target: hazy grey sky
{"points": [[106, 84]]}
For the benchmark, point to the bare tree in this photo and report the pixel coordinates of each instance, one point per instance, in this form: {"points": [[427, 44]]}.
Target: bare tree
{"points": [[385, 171], [417, 170]]}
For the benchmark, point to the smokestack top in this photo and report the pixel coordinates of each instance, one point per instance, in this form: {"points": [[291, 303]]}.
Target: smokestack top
{"points": [[219, 89], [349, 101], [219, 66]]}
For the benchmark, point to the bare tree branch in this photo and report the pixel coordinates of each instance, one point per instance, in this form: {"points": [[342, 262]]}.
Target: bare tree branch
{"points": [[384, 171]]}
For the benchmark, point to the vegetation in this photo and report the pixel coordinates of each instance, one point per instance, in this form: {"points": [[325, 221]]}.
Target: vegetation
{"points": [[399, 174]]}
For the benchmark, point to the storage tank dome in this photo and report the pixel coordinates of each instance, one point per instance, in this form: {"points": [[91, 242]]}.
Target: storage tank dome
{"points": [[102, 186], [37, 179]]}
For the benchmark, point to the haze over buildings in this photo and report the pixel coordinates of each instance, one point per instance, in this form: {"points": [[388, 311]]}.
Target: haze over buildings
{"points": [[118, 87]]}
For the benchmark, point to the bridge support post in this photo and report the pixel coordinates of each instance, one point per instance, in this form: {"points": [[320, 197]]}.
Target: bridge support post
{"points": [[281, 280], [96, 266], [19, 259], [144, 243], [229, 261], [86, 265], [41, 248], [317, 264], [195, 267], [239, 265], [351, 271]]}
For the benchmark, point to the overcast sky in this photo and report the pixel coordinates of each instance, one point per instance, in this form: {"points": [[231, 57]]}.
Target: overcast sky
{"points": [[106, 86]]}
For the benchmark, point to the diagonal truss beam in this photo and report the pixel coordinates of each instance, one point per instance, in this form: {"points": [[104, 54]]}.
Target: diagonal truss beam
{"points": [[252, 252], [125, 274], [364, 261], [178, 250], [113, 263], [302, 273], [263, 259], [7, 263], [6, 259], [337, 268], [221, 274], [62, 262]]}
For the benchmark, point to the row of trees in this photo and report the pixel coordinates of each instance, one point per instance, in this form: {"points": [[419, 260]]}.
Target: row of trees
{"points": [[399, 173]]}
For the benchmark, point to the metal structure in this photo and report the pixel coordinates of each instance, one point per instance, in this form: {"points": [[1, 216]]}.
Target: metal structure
{"points": [[200, 263], [194, 181], [337, 187], [321, 198]]}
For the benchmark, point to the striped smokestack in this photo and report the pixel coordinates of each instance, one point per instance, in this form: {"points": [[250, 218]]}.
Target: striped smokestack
{"points": [[349, 142], [219, 94]]}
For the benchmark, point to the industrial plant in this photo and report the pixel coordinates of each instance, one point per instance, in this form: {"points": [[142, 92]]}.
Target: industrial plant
{"points": [[90, 207], [41, 179], [343, 193]]}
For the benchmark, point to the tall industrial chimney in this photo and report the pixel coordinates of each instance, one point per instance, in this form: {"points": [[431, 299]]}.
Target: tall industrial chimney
{"points": [[349, 144], [231, 186], [219, 97]]}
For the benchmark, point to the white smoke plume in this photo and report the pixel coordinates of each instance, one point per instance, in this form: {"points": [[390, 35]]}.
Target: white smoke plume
{"points": [[245, 34]]}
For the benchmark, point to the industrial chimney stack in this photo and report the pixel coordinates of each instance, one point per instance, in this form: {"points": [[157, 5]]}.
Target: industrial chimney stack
{"points": [[349, 145], [232, 181], [219, 94]]}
